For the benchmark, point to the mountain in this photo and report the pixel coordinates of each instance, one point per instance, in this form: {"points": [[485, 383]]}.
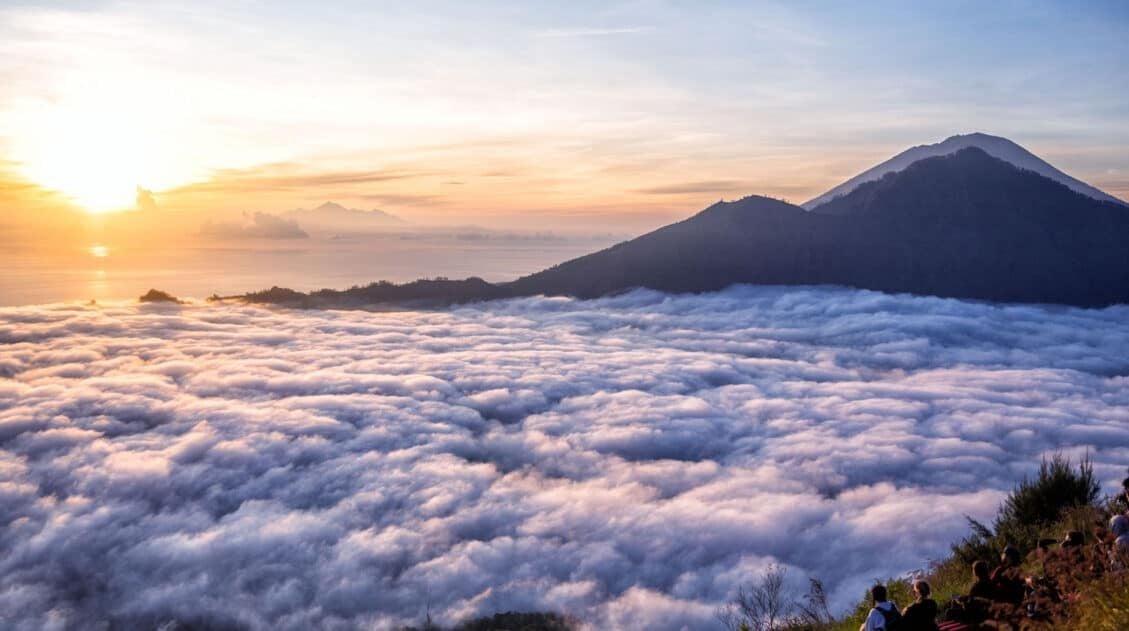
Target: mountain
{"points": [[994, 146], [334, 216], [963, 224]]}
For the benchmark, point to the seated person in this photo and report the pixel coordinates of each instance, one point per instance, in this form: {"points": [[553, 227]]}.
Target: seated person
{"points": [[1007, 581], [922, 614], [982, 582], [968, 611], [1119, 525]]}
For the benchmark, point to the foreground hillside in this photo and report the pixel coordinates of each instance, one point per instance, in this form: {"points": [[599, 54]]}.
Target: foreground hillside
{"points": [[1071, 574], [1057, 557]]}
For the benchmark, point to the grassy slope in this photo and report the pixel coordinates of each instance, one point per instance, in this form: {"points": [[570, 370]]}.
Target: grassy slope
{"points": [[1090, 602]]}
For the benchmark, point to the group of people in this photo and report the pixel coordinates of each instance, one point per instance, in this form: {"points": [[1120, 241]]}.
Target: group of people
{"points": [[1005, 594], [884, 616]]}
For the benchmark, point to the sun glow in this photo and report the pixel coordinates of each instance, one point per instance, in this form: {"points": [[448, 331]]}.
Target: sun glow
{"points": [[95, 158], [99, 139]]}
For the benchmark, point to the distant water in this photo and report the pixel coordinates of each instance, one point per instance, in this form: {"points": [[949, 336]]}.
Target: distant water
{"points": [[101, 271]]}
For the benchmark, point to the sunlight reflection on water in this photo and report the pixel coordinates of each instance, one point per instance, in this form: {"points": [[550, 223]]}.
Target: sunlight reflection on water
{"points": [[34, 277]]}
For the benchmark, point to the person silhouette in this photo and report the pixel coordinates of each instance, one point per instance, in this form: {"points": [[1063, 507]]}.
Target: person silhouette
{"points": [[1007, 581], [921, 615]]}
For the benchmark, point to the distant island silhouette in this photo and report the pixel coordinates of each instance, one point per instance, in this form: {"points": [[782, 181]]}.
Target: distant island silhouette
{"points": [[157, 296], [961, 225]]}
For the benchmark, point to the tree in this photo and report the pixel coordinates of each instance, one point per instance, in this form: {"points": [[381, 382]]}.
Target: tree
{"points": [[813, 611], [764, 605]]}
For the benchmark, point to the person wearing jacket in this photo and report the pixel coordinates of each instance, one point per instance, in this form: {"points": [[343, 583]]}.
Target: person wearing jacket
{"points": [[882, 614]]}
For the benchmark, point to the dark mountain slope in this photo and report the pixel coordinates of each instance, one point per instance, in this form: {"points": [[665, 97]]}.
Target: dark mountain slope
{"points": [[963, 225], [723, 244]]}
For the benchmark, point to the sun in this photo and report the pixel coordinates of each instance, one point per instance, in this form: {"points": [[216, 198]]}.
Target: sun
{"points": [[96, 150], [94, 160]]}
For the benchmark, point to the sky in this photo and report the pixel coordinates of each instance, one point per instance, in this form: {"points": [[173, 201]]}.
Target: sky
{"points": [[580, 113]]}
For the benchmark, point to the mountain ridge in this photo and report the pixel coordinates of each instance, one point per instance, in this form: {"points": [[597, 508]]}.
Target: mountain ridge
{"points": [[961, 225], [334, 216], [965, 225]]}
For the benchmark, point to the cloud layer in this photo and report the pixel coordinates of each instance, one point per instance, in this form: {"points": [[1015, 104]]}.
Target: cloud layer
{"points": [[629, 460]]}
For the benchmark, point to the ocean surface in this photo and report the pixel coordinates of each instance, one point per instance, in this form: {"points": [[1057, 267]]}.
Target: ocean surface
{"points": [[101, 271]]}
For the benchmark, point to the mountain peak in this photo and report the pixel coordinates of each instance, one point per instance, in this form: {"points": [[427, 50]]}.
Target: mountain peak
{"points": [[995, 146], [333, 216], [750, 204]]}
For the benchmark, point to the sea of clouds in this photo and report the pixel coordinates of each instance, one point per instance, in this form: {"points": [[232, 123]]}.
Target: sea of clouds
{"points": [[630, 461]]}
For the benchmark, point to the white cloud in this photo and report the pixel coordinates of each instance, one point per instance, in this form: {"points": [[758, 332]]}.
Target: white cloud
{"points": [[628, 460]]}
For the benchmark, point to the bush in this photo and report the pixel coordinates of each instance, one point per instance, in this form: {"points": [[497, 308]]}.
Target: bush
{"points": [[1042, 501], [1032, 506]]}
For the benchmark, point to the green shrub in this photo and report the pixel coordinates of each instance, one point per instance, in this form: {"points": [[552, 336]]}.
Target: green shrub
{"points": [[1042, 501], [1033, 506]]}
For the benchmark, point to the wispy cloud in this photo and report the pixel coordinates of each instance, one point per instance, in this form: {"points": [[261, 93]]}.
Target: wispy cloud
{"points": [[683, 188], [286, 177], [592, 32], [1116, 187], [395, 199], [27, 206]]}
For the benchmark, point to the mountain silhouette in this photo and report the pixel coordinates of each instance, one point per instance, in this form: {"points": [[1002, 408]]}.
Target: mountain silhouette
{"points": [[963, 224]]}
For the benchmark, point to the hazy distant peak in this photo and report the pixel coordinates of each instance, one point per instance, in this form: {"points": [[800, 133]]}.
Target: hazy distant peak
{"points": [[331, 206], [334, 207], [995, 146], [334, 216]]}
